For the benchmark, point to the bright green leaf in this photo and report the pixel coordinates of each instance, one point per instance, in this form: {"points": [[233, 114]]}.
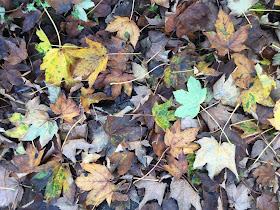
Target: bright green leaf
{"points": [[190, 99], [162, 115]]}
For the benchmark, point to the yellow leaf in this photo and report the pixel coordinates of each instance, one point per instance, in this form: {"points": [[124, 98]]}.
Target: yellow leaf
{"points": [[92, 61], [267, 82], [57, 63], [126, 28], [276, 120], [203, 69], [45, 45]]}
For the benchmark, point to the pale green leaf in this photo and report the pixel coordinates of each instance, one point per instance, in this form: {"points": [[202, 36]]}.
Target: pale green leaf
{"points": [[79, 12]]}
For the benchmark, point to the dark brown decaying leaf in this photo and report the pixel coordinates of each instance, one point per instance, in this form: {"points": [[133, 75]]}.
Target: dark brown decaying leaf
{"points": [[123, 161], [17, 54]]}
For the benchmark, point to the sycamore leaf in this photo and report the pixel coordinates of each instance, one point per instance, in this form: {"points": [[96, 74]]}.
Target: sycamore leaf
{"points": [[162, 115], [177, 167], [276, 57], [31, 159], [67, 108], [185, 195], [126, 28], [203, 69], [238, 197], [123, 160], [79, 9], [45, 45], [17, 54], [191, 100], [57, 63], [92, 61], [226, 38], [250, 128], [21, 128], [276, 120], [267, 82], [97, 181], [239, 7], [216, 156], [43, 128], [179, 140], [256, 94], [243, 73]]}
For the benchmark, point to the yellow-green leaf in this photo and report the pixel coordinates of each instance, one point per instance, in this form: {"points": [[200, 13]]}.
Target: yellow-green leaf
{"points": [[45, 45], [21, 128]]}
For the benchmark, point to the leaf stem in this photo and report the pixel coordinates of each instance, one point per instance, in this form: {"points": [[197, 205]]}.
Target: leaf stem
{"points": [[273, 45], [132, 9], [55, 28], [94, 7], [264, 10]]}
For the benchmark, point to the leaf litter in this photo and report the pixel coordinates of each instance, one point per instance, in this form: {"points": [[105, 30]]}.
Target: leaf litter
{"points": [[139, 104]]}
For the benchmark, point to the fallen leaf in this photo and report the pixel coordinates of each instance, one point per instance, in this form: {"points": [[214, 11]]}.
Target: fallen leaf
{"points": [[216, 156], [139, 71], [153, 190], [97, 181], [164, 3], [179, 140], [239, 7], [142, 96], [243, 73], [126, 28], [10, 76], [226, 38], [255, 94], [44, 46], [61, 6], [191, 100], [65, 108], [140, 151], [21, 128], [91, 61], [276, 120], [11, 191], [17, 54], [177, 167], [266, 176], [266, 200], [226, 91], [238, 197], [203, 69], [123, 160], [250, 128], [27, 163], [79, 9], [117, 75], [267, 82], [162, 115], [122, 128], [70, 147], [185, 195]]}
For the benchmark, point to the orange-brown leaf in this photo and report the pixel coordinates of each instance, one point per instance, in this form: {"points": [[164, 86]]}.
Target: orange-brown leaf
{"points": [[226, 38], [26, 163], [97, 182], [123, 160], [67, 108], [177, 167], [266, 175], [179, 140]]}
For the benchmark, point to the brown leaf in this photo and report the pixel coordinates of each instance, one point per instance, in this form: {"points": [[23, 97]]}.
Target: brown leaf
{"points": [[97, 182], [197, 16], [17, 54], [67, 108], [177, 167], [178, 140], [226, 38], [266, 176], [27, 162], [123, 160], [10, 76], [243, 73], [267, 201]]}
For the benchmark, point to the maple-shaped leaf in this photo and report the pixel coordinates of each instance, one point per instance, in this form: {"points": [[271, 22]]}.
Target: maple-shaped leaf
{"points": [[216, 156], [122, 128], [89, 99], [177, 167], [45, 45], [243, 72], [116, 75], [179, 140], [67, 108], [57, 178], [162, 115], [153, 190], [179, 70], [21, 128], [191, 100], [267, 82], [11, 191], [123, 160], [92, 60], [266, 176], [57, 63], [97, 181], [17, 54], [226, 38], [255, 94], [31, 159], [203, 69], [275, 122], [10, 76], [126, 28], [239, 7]]}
